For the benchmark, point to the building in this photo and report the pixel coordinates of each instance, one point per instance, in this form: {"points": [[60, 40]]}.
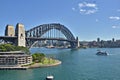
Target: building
{"points": [[98, 39], [113, 40], [14, 58]]}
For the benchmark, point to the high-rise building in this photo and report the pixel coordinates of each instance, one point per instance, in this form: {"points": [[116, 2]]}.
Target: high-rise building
{"points": [[98, 39], [113, 40]]}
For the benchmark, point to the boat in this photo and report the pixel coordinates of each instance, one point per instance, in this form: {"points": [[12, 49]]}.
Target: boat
{"points": [[102, 53], [49, 78]]}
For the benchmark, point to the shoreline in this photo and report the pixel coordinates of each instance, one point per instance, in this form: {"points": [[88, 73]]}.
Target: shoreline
{"points": [[38, 65], [35, 65]]}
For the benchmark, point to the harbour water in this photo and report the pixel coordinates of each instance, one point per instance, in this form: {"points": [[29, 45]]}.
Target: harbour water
{"points": [[81, 64]]}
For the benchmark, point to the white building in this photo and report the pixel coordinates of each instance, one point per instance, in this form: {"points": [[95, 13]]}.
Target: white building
{"points": [[14, 58]]}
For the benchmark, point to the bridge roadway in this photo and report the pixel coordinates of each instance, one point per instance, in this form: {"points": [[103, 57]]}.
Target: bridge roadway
{"points": [[59, 39], [9, 38]]}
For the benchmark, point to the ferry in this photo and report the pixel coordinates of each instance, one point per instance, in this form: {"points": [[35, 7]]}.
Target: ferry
{"points": [[49, 78], [102, 53]]}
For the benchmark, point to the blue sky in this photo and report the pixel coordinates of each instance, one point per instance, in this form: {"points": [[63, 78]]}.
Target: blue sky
{"points": [[87, 19]]}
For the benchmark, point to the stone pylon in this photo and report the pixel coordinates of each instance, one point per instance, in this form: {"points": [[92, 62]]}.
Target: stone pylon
{"points": [[78, 43], [9, 31], [20, 33]]}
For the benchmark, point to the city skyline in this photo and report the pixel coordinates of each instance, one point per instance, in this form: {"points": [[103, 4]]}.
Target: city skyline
{"points": [[87, 19]]}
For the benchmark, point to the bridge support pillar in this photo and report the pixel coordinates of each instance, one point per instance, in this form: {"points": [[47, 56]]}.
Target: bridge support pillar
{"points": [[20, 33], [78, 43], [9, 31]]}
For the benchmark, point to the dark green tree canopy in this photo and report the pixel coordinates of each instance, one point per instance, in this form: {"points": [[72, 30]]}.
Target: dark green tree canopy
{"points": [[9, 47], [38, 57]]}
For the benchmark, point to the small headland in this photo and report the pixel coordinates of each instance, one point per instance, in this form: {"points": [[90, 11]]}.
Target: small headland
{"points": [[40, 61], [36, 60]]}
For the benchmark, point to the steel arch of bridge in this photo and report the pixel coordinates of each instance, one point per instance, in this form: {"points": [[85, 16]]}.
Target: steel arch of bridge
{"points": [[36, 33]]}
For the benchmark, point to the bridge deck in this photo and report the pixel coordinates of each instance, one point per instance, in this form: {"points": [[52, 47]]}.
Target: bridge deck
{"points": [[60, 39], [2, 37]]}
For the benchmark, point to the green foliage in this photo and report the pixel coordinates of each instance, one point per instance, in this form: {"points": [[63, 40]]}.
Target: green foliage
{"points": [[38, 57], [21, 48], [48, 61], [9, 47]]}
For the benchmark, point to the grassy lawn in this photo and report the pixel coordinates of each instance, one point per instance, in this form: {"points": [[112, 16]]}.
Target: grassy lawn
{"points": [[45, 61], [48, 61]]}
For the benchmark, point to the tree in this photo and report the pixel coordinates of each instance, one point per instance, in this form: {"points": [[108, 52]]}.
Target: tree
{"points": [[38, 57], [9, 47]]}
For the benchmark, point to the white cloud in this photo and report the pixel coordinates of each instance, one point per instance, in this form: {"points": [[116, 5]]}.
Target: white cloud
{"points": [[114, 17], [96, 20], [118, 10], [91, 5], [114, 27], [81, 5], [82, 10], [87, 8], [90, 11], [85, 4], [73, 9]]}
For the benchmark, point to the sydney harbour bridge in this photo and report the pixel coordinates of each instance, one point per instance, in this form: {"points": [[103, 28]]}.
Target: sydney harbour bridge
{"points": [[53, 32]]}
